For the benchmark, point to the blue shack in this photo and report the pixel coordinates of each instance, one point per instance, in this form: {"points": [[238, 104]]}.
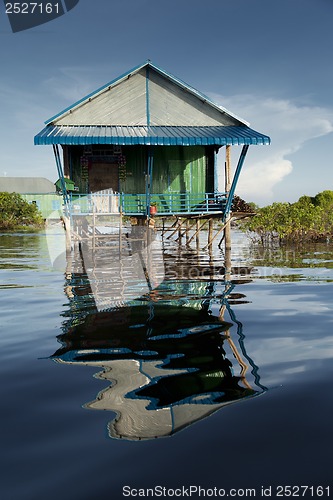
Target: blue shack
{"points": [[147, 139]]}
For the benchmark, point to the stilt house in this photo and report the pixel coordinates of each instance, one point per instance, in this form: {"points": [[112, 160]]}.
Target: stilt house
{"points": [[147, 138]]}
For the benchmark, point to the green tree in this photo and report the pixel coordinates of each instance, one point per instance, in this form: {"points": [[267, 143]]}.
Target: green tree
{"points": [[324, 199], [15, 212], [308, 219]]}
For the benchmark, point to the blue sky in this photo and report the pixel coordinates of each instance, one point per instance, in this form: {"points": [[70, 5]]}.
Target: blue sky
{"points": [[268, 62]]}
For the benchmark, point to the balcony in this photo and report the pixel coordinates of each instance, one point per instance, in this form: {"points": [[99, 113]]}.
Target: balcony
{"points": [[107, 202]]}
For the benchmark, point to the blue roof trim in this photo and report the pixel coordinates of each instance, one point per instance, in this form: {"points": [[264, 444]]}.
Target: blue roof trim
{"points": [[159, 70], [150, 136], [147, 97]]}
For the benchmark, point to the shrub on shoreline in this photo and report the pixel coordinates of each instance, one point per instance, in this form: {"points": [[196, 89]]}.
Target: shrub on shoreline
{"points": [[308, 219], [15, 212]]}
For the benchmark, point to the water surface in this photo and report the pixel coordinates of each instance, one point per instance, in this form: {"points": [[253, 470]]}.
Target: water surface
{"points": [[213, 390]]}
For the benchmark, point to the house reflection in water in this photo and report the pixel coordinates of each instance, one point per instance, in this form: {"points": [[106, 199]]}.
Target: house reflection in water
{"points": [[167, 364]]}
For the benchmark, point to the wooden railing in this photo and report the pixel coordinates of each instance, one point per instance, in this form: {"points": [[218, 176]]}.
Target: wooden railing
{"points": [[140, 203]]}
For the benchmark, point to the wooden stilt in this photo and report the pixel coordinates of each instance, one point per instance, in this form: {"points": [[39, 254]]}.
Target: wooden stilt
{"points": [[227, 249], [178, 223], [197, 235], [94, 230], [172, 226], [210, 232], [120, 232], [221, 241], [180, 235], [216, 234], [227, 169], [197, 232], [187, 231], [227, 229], [67, 225]]}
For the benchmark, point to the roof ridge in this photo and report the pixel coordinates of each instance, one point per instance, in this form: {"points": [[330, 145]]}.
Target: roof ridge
{"points": [[148, 64]]}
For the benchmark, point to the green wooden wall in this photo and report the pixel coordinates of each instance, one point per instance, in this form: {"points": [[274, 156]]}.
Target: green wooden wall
{"points": [[48, 204], [176, 169]]}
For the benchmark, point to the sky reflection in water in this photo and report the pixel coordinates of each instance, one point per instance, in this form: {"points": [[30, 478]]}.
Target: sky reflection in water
{"points": [[283, 437]]}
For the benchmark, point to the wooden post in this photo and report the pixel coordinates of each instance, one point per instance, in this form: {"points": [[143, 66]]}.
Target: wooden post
{"points": [[67, 225], [227, 229], [94, 229], [210, 249], [197, 233], [210, 232], [178, 223], [180, 232], [147, 240], [187, 231], [227, 249], [227, 182], [120, 232]]}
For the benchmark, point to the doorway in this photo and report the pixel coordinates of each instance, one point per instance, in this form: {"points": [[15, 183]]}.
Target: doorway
{"points": [[103, 176]]}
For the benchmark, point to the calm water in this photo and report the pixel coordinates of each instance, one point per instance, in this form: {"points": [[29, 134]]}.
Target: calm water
{"points": [[164, 393]]}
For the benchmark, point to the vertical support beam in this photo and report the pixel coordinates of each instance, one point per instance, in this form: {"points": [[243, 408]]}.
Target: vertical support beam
{"points": [[231, 191], [94, 229], [67, 224], [149, 165], [70, 160], [216, 176], [61, 175], [227, 229], [147, 96], [227, 251], [120, 232], [227, 178], [65, 152], [187, 231], [210, 232], [197, 234], [180, 234], [149, 178]]}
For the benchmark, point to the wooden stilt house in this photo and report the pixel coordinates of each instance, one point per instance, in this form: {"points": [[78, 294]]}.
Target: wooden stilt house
{"points": [[148, 139]]}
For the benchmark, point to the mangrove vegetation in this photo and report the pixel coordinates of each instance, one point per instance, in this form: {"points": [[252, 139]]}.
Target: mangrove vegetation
{"points": [[308, 219], [17, 213]]}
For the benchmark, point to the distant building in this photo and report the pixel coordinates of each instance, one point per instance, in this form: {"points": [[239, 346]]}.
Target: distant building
{"points": [[38, 190]]}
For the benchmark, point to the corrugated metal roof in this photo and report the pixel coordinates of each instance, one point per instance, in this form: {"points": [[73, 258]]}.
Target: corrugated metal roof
{"points": [[154, 136], [26, 185]]}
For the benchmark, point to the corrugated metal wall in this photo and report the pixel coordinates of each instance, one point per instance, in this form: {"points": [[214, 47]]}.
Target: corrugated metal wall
{"points": [[176, 169], [171, 105], [123, 104], [179, 170], [136, 101], [136, 167]]}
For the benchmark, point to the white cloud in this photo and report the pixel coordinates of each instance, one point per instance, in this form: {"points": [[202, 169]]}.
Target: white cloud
{"points": [[290, 126]]}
